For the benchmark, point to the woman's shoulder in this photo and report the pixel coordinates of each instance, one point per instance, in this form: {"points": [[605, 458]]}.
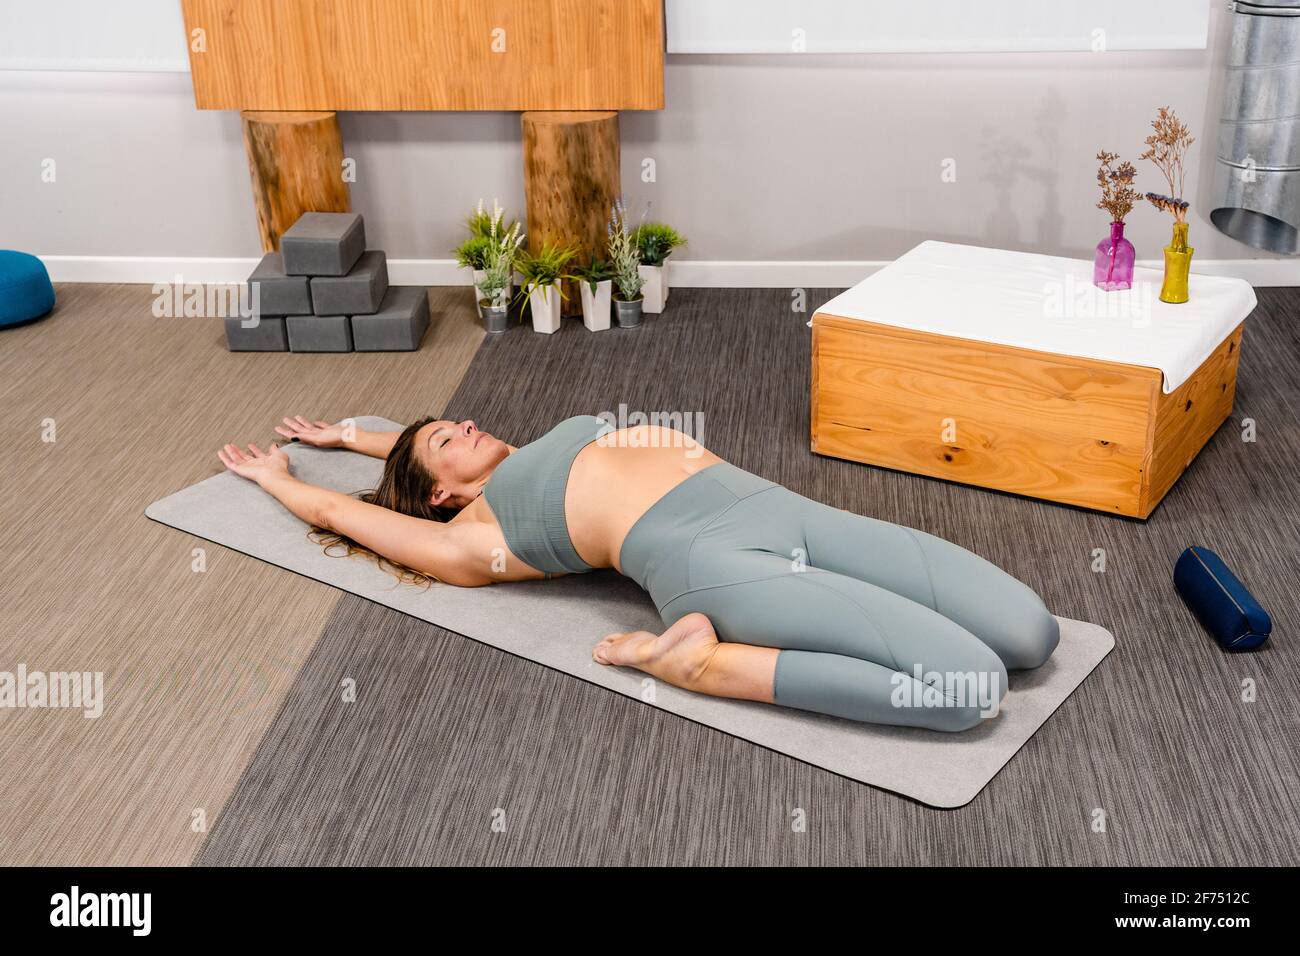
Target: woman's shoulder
{"points": [[599, 423], [483, 555], [476, 512], [568, 429]]}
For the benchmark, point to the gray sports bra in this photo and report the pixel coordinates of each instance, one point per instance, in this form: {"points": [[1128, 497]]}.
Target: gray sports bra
{"points": [[526, 495]]}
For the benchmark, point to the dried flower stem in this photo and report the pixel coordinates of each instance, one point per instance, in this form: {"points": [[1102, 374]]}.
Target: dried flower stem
{"points": [[1117, 192], [1167, 148]]}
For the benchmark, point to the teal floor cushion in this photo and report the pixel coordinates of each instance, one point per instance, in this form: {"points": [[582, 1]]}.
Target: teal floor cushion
{"points": [[25, 289]]}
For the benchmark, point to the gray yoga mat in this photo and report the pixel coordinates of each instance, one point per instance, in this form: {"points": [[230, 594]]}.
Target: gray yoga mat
{"points": [[556, 623]]}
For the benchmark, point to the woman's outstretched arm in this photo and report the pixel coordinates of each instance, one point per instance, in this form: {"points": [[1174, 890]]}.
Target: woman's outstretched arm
{"points": [[345, 434], [439, 550]]}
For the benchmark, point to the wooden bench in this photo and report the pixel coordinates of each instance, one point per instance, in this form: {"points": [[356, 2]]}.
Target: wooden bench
{"points": [[1077, 429]]}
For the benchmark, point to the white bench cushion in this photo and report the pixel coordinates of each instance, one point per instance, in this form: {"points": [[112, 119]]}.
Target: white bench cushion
{"points": [[1049, 304]]}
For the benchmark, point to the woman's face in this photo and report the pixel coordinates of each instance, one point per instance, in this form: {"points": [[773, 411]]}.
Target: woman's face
{"points": [[460, 457]]}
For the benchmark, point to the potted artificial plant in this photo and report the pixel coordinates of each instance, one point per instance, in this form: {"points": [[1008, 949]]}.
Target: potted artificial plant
{"points": [[624, 261], [655, 242], [472, 253], [498, 273], [543, 272], [595, 281]]}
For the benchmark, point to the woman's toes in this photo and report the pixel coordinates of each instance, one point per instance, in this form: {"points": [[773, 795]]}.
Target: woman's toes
{"points": [[598, 653], [613, 648]]}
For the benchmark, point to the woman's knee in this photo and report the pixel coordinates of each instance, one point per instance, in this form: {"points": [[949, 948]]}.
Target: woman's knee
{"points": [[1032, 633], [957, 719], [972, 699], [965, 696]]}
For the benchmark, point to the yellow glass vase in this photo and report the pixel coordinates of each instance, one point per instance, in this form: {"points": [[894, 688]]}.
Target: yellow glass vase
{"points": [[1178, 264]]}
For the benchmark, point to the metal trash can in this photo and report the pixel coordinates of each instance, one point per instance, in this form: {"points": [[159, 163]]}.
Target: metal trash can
{"points": [[1257, 175]]}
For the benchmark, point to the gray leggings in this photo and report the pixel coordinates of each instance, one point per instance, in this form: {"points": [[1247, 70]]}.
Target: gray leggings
{"points": [[875, 622]]}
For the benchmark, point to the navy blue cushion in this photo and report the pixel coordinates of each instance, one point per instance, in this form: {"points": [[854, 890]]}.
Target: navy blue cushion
{"points": [[1220, 601], [25, 289]]}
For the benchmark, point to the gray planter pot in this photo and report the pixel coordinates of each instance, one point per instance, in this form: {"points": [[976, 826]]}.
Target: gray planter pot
{"points": [[628, 313], [495, 317]]}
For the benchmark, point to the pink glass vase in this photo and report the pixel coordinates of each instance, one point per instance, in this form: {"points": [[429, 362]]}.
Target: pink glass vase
{"points": [[1112, 268]]}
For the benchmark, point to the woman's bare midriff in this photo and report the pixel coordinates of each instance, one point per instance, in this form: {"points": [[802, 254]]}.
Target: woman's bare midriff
{"points": [[612, 483], [615, 481]]}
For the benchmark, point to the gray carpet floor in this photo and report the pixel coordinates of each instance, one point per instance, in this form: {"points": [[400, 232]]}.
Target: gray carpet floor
{"points": [[457, 753]]}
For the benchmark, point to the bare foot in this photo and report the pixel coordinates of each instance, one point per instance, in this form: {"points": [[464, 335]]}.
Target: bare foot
{"points": [[679, 655]]}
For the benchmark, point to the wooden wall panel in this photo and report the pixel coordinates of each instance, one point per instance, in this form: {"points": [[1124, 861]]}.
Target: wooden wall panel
{"points": [[427, 54]]}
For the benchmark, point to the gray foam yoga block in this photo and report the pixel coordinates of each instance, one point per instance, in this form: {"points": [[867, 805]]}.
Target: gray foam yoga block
{"points": [[319, 333], [277, 292], [267, 336], [359, 292], [399, 324], [323, 244]]}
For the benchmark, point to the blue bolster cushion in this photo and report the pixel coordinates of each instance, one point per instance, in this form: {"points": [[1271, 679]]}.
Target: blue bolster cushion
{"points": [[1220, 601]]}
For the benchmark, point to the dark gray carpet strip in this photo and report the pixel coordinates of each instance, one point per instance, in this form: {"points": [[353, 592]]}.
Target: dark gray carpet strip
{"points": [[449, 736]]}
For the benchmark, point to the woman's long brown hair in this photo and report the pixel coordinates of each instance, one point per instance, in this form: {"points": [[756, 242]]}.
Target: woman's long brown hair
{"points": [[405, 487]]}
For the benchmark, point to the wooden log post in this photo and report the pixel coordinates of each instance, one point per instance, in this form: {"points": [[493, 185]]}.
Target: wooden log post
{"points": [[296, 163], [571, 179]]}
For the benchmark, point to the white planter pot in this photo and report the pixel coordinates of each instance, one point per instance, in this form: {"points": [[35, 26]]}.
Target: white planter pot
{"points": [[544, 304], [477, 277], [595, 305], [655, 287]]}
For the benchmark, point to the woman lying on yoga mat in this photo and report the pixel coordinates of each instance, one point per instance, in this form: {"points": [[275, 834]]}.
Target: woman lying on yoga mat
{"points": [[766, 595]]}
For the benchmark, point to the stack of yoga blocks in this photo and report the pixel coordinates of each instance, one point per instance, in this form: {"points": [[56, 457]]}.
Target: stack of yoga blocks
{"points": [[324, 292]]}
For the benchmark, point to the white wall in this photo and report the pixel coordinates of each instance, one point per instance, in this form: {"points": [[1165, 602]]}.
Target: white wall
{"points": [[827, 157], [135, 35], [887, 26]]}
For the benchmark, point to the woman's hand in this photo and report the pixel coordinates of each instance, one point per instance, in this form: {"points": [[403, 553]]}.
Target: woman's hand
{"points": [[257, 465], [319, 434]]}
